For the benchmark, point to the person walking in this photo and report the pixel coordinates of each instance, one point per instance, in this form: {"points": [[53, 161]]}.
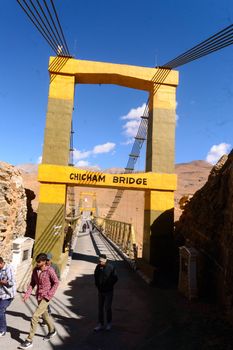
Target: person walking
{"points": [[7, 293], [50, 262], [45, 279], [105, 279]]}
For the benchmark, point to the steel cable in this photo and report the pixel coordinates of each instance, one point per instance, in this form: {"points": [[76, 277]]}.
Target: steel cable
{"points": [[40, 30], [59, 24], [46, 18], [55, 41], [63, 44], [216, 42], [46, 25]]}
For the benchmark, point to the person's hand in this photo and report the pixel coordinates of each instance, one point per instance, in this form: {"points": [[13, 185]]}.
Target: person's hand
{"points": [[3, 282]]}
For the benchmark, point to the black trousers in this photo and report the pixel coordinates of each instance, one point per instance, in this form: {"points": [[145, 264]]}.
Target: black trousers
{"points": [[105, 306]]}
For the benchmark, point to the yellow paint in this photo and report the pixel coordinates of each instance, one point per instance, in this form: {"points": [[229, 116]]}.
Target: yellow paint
{"points": [[159, 200], [91, 72], [87, 209], [62, 87], [165, 97], [52, 193], [71, 175], [91, 194]]}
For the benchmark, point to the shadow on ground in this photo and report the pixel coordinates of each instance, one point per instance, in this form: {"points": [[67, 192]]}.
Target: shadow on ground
{"points": [[145, 317]]}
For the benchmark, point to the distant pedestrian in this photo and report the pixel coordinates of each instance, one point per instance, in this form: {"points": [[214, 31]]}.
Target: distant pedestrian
{"points": [[105, 279], [45, 279], [7, 292]]}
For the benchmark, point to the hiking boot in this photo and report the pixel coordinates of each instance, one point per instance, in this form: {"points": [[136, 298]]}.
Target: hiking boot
{"points": [[99, 327], [50, 335], [2, 334], [108, 327], [26, 344]]}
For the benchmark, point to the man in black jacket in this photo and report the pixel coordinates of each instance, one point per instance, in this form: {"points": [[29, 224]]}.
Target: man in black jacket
{"points": [[105, 278]]}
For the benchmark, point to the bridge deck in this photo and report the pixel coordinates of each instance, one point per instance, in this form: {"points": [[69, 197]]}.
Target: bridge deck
{"points": [[144, 317]]}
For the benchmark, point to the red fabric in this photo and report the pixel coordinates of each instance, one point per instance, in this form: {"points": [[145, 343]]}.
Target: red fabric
{"points": [[46, 282]]}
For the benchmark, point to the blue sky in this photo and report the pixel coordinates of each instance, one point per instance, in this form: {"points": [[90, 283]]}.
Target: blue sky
{"points": [[146, 33]]}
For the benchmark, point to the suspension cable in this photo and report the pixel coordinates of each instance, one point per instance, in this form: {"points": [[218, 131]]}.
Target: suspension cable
{"points": [[55, 42], [63, 45], [219, 40], [60, 26], [44, 18], [40, 30]]}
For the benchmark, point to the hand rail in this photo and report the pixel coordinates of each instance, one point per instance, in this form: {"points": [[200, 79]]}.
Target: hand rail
{"points": [[121, 233]]}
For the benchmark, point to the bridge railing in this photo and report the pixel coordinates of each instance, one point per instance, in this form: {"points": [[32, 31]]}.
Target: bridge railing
{"points": [[120, 233]]}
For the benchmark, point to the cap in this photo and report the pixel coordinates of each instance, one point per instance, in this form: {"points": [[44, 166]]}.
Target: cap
{"points": [[49, 256]]}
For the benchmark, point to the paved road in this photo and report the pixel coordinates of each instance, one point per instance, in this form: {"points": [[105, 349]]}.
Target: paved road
{"points": [[144, 317]]}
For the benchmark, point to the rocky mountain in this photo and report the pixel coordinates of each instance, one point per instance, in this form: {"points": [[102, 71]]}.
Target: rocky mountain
{"points": [[13, 208]]}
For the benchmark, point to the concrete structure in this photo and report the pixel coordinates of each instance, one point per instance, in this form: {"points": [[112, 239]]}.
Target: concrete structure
{"points": [[65, 73], [22, 260]]}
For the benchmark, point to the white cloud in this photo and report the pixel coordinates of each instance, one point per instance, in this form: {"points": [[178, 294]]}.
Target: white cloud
{"points": [[82, 163], [217, 151], [135, 113], [133, 122], [39, 160], [131, 128], [81, 154], [80, 157], [105, 148], [128, 142]]}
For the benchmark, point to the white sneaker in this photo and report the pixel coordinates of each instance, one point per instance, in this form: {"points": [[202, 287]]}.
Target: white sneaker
{"points": [[108, 327], [99, 327]]}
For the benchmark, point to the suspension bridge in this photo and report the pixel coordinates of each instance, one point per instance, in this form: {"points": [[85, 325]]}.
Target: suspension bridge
{"points": [[60, 208], [57, 175]]}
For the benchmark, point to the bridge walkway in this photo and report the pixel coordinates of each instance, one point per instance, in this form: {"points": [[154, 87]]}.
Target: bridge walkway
{"points": [[144, 317]]}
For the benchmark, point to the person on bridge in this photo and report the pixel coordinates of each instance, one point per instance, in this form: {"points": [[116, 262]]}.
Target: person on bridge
{"points": [[46, 280], [7, 292], [49, 262], [105, 279]]}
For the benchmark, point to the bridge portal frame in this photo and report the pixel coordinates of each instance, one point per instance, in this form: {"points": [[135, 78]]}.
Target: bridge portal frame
{"points": [[161, 84]]}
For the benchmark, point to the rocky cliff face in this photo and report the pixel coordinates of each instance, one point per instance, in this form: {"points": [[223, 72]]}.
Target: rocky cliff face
{"points": [[13, 208], [207, 225]]}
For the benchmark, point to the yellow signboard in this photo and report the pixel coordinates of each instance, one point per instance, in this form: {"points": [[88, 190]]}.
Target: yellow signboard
{"points": [[136, 181]]}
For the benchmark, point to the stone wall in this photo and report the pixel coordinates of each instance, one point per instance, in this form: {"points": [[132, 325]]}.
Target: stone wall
{"points": [[207, 225], [13, 208]]}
